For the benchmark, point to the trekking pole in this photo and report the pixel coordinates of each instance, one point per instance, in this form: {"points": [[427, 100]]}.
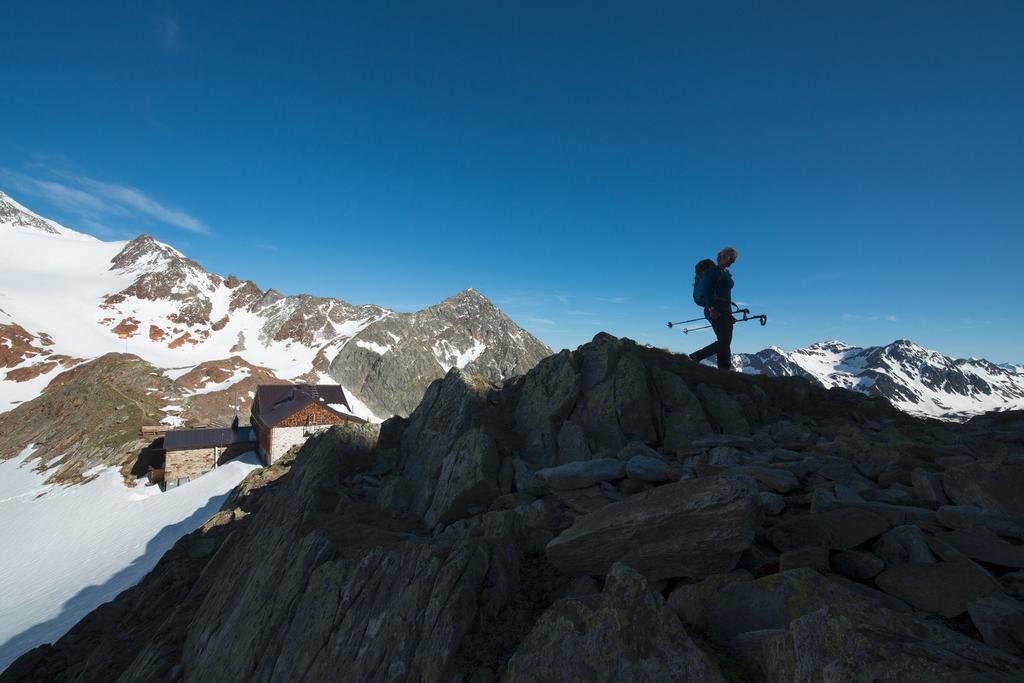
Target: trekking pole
{"points": [[761, 317], [683, 322], [737, 309]]}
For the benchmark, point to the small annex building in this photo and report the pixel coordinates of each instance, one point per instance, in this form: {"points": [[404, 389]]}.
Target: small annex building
{"points": [[189, 453], [285, 415]]}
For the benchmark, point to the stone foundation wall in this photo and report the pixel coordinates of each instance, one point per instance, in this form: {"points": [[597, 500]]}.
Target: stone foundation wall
{"points": [[283, 438], [191, 463]]}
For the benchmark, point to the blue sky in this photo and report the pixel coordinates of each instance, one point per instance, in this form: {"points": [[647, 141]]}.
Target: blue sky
{"points": [[569, 160]]}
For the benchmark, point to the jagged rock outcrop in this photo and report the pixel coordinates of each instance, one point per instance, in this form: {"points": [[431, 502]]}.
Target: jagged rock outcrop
{"points": [[443, 549]]}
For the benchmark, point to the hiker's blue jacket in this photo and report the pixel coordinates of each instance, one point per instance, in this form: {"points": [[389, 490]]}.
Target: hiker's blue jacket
{"points": [[716, 287]]}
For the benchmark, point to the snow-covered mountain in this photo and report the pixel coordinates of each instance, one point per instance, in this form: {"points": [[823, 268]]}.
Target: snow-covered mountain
{"points": [[917, 380], [68, 299]]}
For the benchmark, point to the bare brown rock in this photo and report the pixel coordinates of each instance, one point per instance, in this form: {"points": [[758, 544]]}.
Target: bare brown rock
{"points": [[30, 372], [16, 345], [128, 327]]}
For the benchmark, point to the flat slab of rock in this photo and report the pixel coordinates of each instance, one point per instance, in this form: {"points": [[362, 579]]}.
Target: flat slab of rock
{"points": [[985, 546], [691, 529], [970, 517], [625, 633], [840, 529], [994, 486], [943, 588], [583, 473]]}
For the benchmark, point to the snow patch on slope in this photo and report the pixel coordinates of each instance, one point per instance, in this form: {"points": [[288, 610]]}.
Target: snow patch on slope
{"points": [[100, 535]]}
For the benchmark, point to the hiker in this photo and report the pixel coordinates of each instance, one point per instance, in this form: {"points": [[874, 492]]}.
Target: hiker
{"points": [[714, 286]]}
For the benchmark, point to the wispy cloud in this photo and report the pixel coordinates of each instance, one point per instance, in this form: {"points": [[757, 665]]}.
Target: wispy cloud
{"points": [[612, 299], [264, 246], [90, 199], [531, 299], [856, 317], [136, 199], [533, 320]]}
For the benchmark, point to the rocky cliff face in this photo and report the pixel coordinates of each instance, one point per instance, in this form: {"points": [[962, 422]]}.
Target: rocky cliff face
{"points": [[618, 513], [916, 380]]}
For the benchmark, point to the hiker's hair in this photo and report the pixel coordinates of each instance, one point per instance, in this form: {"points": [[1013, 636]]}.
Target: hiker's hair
{"points": [[729, 251]]}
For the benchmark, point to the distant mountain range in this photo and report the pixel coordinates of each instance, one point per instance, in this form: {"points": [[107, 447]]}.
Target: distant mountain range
{"points": [[915, 379], [69, 300]]}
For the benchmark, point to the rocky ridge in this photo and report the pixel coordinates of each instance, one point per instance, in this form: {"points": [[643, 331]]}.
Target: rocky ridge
{"points": [[616, 513]]}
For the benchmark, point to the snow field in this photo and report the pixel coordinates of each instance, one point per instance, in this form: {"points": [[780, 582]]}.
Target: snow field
{"points": [[67, 550]]}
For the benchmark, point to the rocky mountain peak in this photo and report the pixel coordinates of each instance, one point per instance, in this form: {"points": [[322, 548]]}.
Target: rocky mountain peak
{"points": [[145, 254], [15, 215], [831, 346], [467, 302]]}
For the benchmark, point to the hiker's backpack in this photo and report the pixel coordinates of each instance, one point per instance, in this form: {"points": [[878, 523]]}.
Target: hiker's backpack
{"points": [[702, 270]]}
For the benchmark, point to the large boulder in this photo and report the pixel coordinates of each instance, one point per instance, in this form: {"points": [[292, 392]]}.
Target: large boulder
{"points": [[583, 473], [840, 529], [992, 485], [971, 517], [802, 626], [903, 544], [849, 642], [943, 588], [984, 546], [727, 605], [691, 529], [624, 633]]}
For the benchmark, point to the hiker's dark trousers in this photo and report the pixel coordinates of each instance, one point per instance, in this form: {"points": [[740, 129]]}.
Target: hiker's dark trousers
{"points": [[722, 325]]}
